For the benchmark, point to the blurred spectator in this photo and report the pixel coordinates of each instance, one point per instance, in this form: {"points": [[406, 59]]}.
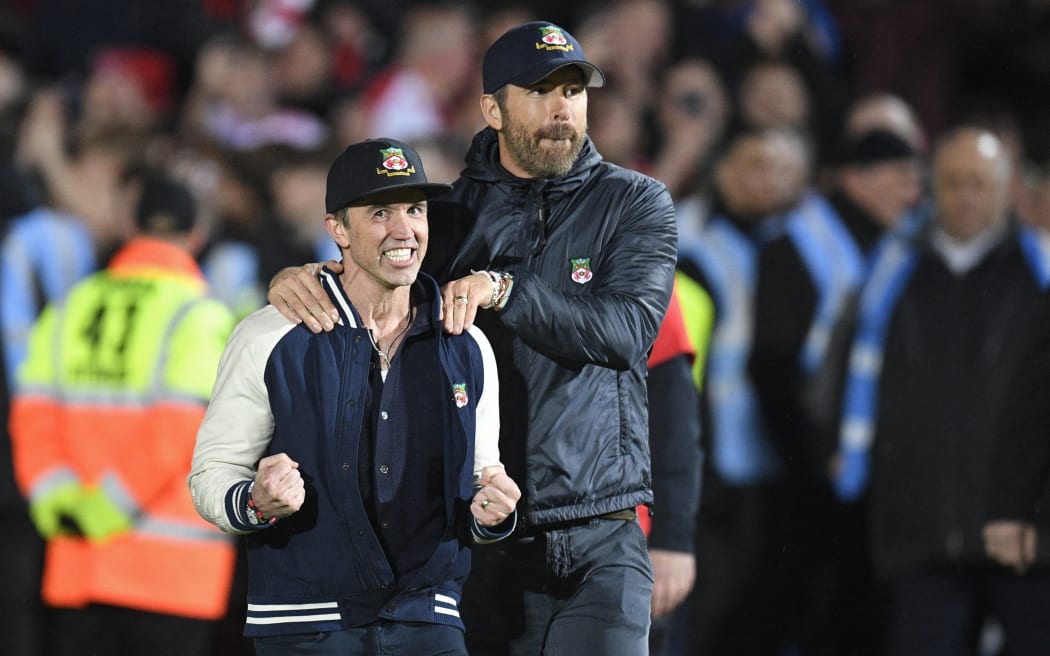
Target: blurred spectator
{"points": [[275, 24], [1000, 119], [41, 256], [128, 88], [943, 323], [807, 279], [737, 34], [691, 124], [348, 120], [888, 112], [773, 94], [775, 27], [689, 129], [294, 232], [240, 204], [617, 128], [301, 71], [233, 102], [674, 440], [444, 158], [739, 558], [415, 96], [356, 46], [725, 30], [44, 252], [84, 179], [103, 424], [642, 26]]}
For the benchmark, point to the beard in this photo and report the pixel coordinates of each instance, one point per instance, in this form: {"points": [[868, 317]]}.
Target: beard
{"points": [[536, 158]]}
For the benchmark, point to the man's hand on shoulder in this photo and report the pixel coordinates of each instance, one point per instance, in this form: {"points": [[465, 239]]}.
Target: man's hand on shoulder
{"points": [[297, 294]]}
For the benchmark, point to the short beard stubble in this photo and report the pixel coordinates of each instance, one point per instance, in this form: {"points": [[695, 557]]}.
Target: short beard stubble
{"points": [[532, 157]]}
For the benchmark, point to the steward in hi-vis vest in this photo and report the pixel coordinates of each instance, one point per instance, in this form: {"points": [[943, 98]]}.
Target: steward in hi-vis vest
{"points": [[103, 424]]}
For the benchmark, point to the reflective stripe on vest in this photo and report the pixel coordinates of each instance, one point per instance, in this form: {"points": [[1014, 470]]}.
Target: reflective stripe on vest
{"points": [[742, 453], [835, 265], [1037, 256], [894, 261]]}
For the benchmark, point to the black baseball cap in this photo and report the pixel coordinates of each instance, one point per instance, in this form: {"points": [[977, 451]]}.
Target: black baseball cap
{"points": [[165, 206], [528, 53], [873, 147], [373, 166]]}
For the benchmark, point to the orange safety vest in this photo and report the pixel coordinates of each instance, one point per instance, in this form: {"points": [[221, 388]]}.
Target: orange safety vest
{"points": [[114, 387]]}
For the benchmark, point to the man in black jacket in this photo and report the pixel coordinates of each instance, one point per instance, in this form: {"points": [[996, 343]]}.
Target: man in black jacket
{"points": [[806, 279], [574, 260], [943, 324]]}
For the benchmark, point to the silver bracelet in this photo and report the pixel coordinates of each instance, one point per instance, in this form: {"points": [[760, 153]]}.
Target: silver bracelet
{"points": [[497, 286]]}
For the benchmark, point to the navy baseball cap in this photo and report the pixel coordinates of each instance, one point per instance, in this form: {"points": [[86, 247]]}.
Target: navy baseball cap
{"points": [[528, 53], [370, 167]]}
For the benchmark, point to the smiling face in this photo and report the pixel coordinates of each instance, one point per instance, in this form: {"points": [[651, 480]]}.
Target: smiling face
{"points": [[541, 127], [384, 240]]}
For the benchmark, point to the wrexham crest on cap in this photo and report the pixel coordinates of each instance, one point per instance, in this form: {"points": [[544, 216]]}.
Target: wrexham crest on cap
{"points": [[552, 39], [394, 163], [459, 393], [581, 270]]}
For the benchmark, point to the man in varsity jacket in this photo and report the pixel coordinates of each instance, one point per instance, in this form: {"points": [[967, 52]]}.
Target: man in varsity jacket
{"points": [[350, 458]]}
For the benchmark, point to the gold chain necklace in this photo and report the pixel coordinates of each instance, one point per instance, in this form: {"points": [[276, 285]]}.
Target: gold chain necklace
{"points": [[383, 357]]}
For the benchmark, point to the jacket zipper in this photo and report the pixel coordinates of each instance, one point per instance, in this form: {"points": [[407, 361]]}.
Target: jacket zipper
{"points": [[541, 220]]}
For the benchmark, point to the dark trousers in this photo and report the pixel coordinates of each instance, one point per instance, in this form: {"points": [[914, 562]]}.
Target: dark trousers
{"points": [[113, 631], [742, 603], [940, 611], [572, 591], [379, 639]]}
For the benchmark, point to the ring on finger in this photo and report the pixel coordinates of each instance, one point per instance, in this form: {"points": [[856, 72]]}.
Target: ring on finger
{"points": [[461, 299], [484, 503]]}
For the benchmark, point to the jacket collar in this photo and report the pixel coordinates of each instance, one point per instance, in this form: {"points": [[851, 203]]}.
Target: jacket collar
{"points": [[424, 290]]}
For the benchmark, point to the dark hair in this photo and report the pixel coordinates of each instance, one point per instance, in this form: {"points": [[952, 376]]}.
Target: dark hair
{"points": [[500, 95], [165, 207]]}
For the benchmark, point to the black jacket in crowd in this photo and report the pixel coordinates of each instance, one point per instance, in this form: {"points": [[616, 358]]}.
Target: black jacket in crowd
{"points": [[785, 308], [1020, 464], [952, 351]]}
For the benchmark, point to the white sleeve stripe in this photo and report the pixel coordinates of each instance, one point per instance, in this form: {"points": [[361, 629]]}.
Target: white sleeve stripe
{"points": [[272, 608], [293, 618]]}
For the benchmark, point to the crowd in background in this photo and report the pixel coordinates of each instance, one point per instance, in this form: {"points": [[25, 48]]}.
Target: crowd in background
{"points": [[747, 108]]}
